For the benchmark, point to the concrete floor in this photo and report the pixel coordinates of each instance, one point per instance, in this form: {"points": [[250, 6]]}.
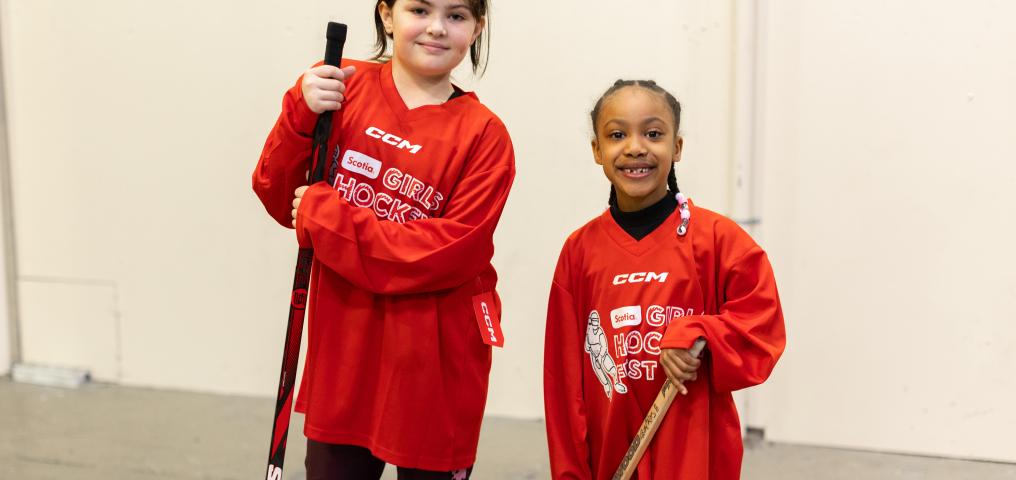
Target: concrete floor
{"points": [[106, 432]]}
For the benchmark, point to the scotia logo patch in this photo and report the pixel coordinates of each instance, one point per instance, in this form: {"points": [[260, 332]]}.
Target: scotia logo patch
{"points": [[626, 316], [357, 162]]}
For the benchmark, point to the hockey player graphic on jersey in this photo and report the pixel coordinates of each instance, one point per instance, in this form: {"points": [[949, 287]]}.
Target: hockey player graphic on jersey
{"points": [[603, 364]]}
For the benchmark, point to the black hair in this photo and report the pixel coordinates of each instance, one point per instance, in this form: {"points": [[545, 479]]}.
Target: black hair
{"points": [[479, 51], [675, 108]]}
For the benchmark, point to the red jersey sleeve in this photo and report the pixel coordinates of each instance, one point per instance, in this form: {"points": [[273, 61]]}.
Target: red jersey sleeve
{"points": [[564, 404], [285, 158], [747, 337], [423, 255]]}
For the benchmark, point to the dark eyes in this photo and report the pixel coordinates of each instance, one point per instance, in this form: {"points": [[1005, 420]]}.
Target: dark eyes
{"points": [[420, 11], [619, 135]]}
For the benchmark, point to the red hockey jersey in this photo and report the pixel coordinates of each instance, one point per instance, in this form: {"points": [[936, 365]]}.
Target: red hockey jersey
{"points": [[614, 304], [403, 242]]}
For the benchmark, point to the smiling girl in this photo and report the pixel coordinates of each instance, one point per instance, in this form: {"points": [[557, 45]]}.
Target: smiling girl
{"points": [[634, 288], [397, 365]]}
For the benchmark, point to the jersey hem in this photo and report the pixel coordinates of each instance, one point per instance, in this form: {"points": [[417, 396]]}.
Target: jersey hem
{"points": [[393, 457]]}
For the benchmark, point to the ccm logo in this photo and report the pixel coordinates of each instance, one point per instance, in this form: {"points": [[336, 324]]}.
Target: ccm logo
{"points": [[274, 473], [640, 277], [488, 322], [393, 140]]}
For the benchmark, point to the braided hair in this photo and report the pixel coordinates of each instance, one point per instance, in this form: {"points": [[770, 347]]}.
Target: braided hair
{"points": [[675, 108]]}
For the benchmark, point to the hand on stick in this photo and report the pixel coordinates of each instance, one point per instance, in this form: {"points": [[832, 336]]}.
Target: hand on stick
{"points": [[296, 201], [680, 366], [324, 87]]}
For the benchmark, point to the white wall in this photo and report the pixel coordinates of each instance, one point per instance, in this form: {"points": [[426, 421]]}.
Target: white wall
{"points": [[6, 319], [144, 255], [886, 191], [888, 212], [5, 326], [544, 78], [134, 129], [6, 261]]}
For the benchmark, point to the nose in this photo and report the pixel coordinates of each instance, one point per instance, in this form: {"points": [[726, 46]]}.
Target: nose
{"points": [[437, 27], [635, 147]]}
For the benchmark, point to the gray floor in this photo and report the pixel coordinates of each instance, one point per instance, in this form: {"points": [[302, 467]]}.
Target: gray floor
{"points": [[105, 432]]}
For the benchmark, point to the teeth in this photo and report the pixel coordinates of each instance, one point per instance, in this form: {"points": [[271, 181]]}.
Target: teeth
{"points": [[636, 170]]}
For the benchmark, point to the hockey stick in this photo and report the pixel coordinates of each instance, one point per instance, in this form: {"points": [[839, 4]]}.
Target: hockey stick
{"points": [[301, 280], [652, 422]]}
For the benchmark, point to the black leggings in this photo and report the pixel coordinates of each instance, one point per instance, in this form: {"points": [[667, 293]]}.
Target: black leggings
{"points": [[326, 461]]}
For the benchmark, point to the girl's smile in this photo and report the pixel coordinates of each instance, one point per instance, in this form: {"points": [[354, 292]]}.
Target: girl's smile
{"points": [[433, 48], [637, 172], [637, 146], [431, 36]]}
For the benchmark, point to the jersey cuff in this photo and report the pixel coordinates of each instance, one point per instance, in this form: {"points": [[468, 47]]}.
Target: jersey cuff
{"points": [[302, 235], [301, 117], [682, 334]]}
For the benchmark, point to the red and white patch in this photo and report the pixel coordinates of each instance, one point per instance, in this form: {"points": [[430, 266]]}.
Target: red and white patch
{"points": [[363, 164], [487, 320]]}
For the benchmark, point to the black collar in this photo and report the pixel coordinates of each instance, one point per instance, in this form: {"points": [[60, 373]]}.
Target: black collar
{"points": [[640, 223]]}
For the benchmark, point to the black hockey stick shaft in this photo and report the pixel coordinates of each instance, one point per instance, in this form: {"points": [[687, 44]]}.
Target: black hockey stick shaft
{"points": [[301, 281]]}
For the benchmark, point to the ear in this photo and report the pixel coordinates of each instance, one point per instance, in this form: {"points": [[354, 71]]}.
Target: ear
{"points": [[596, 151], [678, 147], [386, 16], [481, 23]]}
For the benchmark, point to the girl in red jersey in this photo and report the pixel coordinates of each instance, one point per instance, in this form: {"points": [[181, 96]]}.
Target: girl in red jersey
{"points": [[397, 367], [633, 289]]}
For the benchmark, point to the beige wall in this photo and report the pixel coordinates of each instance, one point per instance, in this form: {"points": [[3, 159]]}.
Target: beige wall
{"points": [[7, 317], [888, 212], [5, 330], [544, 79], [885, 191], [134, 128], [143, 253]]}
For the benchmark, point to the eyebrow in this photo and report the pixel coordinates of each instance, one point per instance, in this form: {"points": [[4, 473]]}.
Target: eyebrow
{"points": [[643, 122], [457, 5], [654, 119]]}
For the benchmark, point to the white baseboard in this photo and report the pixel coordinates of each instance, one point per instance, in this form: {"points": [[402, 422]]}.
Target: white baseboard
{"points": [[50, 376]]}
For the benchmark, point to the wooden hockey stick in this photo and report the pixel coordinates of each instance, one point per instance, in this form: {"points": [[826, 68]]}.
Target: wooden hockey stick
{"points": [[652, 422]]}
